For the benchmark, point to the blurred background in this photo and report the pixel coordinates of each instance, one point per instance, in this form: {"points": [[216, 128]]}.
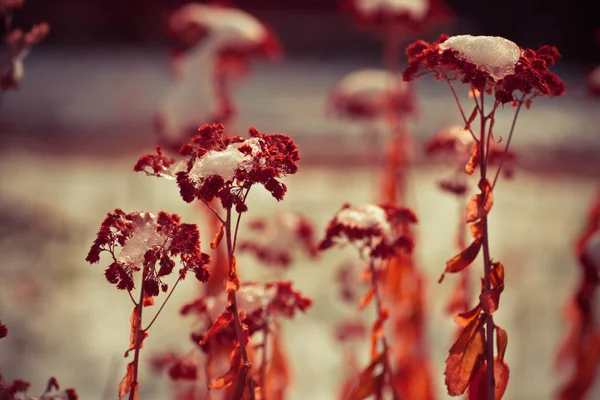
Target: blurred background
{"points": [[86, 109]]}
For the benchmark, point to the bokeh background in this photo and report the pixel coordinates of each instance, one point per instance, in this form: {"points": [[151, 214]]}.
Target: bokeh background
{"points": [[84, 113]]}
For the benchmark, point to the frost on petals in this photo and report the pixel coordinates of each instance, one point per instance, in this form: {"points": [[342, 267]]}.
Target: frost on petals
{"points": [[488, 64], [149, 243], [223, 167], [371, 228]]}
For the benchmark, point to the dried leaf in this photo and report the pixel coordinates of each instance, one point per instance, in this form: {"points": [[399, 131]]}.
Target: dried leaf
{"points": [[235, 362], [126, 385], [233, 281], [465, 318], [480, 204], [148, 301], [221, 322], [471, 119], [497, 274], [464, 359], [476, 229], [368, 383], [478, 387], [473, 160], [490, 299], [217, 239], [501, 342], [462, 260], [134, 322], [367, 299], [278, 372], [377, 332]]}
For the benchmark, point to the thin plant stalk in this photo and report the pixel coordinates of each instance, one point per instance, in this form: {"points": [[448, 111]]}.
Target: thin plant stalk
{"points": [[246, 366], [137, 345]]}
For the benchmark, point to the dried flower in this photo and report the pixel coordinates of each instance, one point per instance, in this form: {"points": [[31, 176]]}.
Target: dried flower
{"points": [[489, 64], [221, 167], [145, 241], [408, 14], [371, 228]]}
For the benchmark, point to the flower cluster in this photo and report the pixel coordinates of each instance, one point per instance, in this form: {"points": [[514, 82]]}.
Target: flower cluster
{"points": [[371, 93], [275, 240], [17, 390], [150, 242], [408, 14], [17, 45], [371, 228], [225, 168], [259, 302], [489, 64]]}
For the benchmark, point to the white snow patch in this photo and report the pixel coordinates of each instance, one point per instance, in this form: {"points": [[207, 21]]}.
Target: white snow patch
{"points": [[416, 8], [365, 216], [493, 54], [226, 162], [143, 238]]}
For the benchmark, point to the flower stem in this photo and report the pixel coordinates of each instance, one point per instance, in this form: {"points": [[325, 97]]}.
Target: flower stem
{"points": [[379, 305], [246, 366], [163, 305], [138, 338], [487, 265], [264, 361]]}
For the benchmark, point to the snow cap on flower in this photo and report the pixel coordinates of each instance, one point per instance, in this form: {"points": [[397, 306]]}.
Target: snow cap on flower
{"points": [[408, 14], [371, 228], [218, 166], [370, 93], [149, 243], [489, 64]]}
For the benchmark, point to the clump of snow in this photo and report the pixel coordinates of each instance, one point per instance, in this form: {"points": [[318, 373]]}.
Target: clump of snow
{"points": [[366, 216], [493, 54], [416, 8], [226, 162], [592, 249], [143, 238]]}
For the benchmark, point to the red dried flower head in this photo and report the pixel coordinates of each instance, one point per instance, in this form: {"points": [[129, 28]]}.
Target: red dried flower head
{"points": [[407, 14], [489, 64], [275, 240], [371, 93], [370, 228], [215, 166], [3, 330], [148, 243], [183, 370], [351, 331]]}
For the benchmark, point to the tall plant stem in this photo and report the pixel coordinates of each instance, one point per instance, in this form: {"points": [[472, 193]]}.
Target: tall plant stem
{"points": [[138, 339], [246, 366], [264, 361], [487, 265], [379, 305]]}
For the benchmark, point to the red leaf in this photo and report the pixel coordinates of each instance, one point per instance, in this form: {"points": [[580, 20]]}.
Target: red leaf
{"points": [[221, 322], [465, 318], [476, 229], [478, 387], [233, 281], [235, 362], [471, 119], [497, 274], [367, 299], [368, 383], [377, 332], [134, 322], [473, 160], [278, 372], [217, 239], [126, 385], [465, 357], [490, 299], [480, 204], [462, 260], [501, 342]]}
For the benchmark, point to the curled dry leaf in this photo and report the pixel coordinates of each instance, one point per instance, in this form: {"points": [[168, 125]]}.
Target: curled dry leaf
{"points": [[233, 281], [501, 342], [126, 385], [465, 318], [478, 387], [235, 362], [215, 243], [465, 357], [369, 382], [471, 118], [480, 204], [220, 323], [377, 332], [367, 299], [473, 160], [134, 321], [490, 299], [462, 260]]}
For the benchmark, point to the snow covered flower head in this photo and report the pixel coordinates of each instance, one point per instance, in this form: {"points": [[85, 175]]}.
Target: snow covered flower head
{"points": [[148, 243], [370, 93], [410, 14], [371, 228], [489, 64], [216, 166]]}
